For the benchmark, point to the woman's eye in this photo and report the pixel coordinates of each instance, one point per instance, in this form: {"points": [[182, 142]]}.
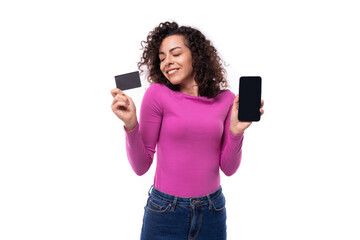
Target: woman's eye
{"points": [[175, 55]]}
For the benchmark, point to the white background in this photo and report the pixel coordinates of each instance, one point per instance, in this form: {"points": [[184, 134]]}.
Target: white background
{"points": [[64, 173]]}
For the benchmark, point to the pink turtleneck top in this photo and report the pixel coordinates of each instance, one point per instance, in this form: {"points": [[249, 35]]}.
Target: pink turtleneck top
{"points": [[191, 137]]}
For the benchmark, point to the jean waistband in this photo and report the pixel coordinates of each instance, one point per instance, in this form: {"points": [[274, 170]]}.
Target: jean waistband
{"points": [[183, 200]]}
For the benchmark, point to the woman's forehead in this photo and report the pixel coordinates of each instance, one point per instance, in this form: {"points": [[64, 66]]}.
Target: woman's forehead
{"points": [[171, 42]]}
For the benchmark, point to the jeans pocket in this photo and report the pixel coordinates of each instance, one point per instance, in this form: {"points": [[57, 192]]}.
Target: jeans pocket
{"points": [[219, 203], [155, 205]]}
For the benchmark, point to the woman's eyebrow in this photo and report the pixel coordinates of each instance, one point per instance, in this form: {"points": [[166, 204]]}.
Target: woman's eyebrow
{"points": [[170, 50]]}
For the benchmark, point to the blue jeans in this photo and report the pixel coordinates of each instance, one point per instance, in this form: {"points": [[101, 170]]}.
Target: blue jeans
{"points": [[168, 217]]}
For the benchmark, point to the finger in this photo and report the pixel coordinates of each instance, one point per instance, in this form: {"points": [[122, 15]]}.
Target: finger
{"points": [[119, 98], [261, 111], [121, 92], [117, 91], [124, 98], [130, 101], [114, 91], [121, 104], [114, 101], [262, 102]]}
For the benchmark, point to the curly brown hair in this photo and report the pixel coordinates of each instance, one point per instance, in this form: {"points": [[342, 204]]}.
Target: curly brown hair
{"points": [[206, 63]]}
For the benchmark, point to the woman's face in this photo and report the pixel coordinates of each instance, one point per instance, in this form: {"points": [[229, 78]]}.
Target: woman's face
{"points": [[176, 60]]}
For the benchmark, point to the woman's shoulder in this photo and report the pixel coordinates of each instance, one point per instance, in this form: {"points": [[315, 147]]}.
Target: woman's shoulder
{"points": [[227, 94], [156, 87], [155, 92]]}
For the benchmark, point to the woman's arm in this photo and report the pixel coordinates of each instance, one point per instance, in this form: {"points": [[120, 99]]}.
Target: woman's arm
{"points": [[231, 148], [233, 138], [142, 139]]}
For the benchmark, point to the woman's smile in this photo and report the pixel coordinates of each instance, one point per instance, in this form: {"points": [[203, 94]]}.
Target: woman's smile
{"points": [[172, 71], [176, 62]]}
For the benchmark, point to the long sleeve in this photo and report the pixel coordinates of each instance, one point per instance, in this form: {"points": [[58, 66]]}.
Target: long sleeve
{"points": [[231, 148], [191, 137], [141, 141]]}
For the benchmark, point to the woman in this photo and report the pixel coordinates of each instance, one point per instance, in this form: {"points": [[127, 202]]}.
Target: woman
{"points": [[193, 125]]}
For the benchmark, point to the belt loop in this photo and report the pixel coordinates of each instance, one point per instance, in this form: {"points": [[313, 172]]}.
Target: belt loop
{"points": [[152, 186], [174, 204], [210, 202]]}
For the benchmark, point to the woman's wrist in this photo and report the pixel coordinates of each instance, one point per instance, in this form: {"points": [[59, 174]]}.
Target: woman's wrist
{"points": [[130, 125], [236, 132]]}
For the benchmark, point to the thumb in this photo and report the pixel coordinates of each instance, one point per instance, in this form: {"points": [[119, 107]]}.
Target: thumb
{"points": [[236, 101]]}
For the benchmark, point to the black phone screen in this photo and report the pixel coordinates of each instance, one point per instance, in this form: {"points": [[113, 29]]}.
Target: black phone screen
{"points": [[249, 99]]}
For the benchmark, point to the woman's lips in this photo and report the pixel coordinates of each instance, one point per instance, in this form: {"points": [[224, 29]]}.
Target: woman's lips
{"points": [[172, 71]]}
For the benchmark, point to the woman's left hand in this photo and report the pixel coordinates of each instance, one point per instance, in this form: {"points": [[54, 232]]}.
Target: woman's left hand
{"points": [[237, 127]]}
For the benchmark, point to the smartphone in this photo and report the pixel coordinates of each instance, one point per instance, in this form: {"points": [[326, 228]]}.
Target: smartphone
{"points": [[249, 99], [128, 80]]}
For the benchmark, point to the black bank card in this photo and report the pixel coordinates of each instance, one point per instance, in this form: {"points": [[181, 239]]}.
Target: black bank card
{"points": [[128, 81]]}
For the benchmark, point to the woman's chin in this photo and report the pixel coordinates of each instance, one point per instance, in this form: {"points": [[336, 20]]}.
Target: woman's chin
{"points": [[173, 82]]}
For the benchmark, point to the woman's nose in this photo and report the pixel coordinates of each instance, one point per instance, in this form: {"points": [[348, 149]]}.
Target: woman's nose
{"points": [[168, 61]]}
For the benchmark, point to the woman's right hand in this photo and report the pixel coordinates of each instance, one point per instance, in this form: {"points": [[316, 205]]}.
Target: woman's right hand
{"points": [[124, 108]]}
